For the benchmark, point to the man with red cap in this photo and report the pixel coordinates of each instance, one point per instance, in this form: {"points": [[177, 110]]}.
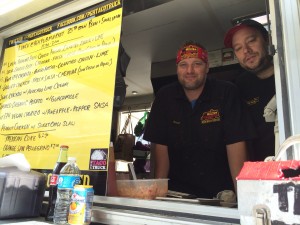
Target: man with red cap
{"points": [[249, 41], [198, 128]]}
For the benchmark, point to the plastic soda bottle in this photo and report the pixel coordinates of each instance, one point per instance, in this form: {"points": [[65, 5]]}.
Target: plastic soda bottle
{"points": [[68, 178], [61, 161]]}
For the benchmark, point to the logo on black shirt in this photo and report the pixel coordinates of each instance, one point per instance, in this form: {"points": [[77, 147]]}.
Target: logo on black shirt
{"points": [[211, 116], [252, 101]]}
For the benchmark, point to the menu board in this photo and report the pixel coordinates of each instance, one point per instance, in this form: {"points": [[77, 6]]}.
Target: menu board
{"points": [[57, 88]]}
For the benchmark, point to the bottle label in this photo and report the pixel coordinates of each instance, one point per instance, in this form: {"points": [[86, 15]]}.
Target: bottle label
{"points": [[81, 205], [67, 181], [54, 179]]}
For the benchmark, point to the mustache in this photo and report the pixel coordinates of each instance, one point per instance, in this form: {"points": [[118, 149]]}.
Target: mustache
{"points": [[249, 56]]}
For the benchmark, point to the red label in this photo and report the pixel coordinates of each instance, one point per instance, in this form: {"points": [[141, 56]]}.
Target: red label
{"points": [[54, 179]]}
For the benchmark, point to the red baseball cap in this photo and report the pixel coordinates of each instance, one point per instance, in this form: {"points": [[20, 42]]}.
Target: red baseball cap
{"points": [[241, 25]]}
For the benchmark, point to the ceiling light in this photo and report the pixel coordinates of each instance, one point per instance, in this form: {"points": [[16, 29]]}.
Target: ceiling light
{"points": [[9, 5], [134, 92]]}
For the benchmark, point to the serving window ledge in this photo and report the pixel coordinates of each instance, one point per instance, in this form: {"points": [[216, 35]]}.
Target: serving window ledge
{"points": [[117, 210], [129, 211]]}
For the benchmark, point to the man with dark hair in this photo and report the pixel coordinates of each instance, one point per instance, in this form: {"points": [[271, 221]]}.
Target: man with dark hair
{"points": [[198, 128], [249, 41]]}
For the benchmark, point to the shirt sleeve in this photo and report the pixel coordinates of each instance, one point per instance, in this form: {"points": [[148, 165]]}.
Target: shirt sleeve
{"points": [[156, 126]]}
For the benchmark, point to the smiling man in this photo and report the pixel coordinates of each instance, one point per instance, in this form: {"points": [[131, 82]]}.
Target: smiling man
{"points": [[249, 41], [197, 127]]}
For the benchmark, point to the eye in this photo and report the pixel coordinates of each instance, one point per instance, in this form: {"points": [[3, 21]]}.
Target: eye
{"points": [[200, 63], [182, 64], [237, 48], [251, 40]]}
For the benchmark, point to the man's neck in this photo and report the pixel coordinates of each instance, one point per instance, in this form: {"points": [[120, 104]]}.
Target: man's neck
{"points": [[266, 73], [193, 94]]}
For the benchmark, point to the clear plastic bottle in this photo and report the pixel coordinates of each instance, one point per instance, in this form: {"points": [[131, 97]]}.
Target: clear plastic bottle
{"points": [[69, 176]]}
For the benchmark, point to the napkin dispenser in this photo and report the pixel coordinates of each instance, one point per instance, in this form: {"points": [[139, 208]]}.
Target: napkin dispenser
{"points": [[21, 193]]}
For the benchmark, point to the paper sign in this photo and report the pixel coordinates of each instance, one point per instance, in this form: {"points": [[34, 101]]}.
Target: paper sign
{"points": [[57, 87]]}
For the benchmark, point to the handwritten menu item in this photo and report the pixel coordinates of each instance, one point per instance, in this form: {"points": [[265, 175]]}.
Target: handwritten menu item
{"points": [[57, 86]]}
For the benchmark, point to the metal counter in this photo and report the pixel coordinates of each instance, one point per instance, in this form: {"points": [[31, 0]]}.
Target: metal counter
{"points": [[129, 211], [116, 210]]}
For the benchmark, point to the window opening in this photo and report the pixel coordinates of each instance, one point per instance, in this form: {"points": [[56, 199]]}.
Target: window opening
{"points": [[141, 150]]}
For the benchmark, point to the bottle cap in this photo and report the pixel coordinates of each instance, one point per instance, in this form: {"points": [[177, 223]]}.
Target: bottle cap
{"points": [[64, 146], [72, 159]]}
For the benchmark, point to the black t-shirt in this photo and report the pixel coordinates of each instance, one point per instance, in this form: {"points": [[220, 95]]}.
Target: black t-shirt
{"points": [[257, 93], [197, 137]]}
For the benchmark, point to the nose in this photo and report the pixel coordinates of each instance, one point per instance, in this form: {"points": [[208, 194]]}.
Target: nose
{"points": [[190, 68], [246, 48]]}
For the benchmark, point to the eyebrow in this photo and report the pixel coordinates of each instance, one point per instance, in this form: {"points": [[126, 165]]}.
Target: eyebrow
{"points": [[252, 36], [196, 61], [255, 35]]}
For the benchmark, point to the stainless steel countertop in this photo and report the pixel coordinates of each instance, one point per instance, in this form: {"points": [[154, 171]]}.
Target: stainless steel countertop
{"points": [[117, 210], [129, 211]]}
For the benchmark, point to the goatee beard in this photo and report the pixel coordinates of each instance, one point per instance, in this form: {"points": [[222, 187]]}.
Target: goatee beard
{"points": [[263, 65]]}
